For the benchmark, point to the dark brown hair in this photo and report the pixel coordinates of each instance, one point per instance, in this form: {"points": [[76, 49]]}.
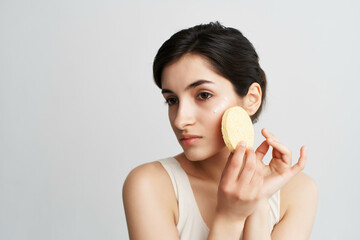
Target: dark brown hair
{"points": [[230, 54]]}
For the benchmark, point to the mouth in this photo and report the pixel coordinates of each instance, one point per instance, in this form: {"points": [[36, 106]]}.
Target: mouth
{"points": [[188, 140]]}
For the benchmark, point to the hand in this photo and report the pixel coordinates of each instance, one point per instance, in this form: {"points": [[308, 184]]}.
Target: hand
{"points": [[279, 171], [240, 185]]}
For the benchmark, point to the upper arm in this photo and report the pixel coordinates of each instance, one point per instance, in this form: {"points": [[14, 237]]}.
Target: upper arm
{"points": [[149, 203], [300, 196]]}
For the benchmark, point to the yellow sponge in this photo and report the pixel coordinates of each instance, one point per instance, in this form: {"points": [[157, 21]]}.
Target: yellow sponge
{"points": [[236, 126]]}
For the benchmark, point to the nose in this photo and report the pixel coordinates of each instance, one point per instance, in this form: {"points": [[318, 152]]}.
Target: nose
{"points": [[185, 115]]}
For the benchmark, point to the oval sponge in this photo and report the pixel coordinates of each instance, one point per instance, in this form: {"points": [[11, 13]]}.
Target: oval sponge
{"points": [[236, 126]]}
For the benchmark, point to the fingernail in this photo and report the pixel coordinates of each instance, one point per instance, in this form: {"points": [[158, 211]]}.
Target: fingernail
{"points": [[243, 144]]}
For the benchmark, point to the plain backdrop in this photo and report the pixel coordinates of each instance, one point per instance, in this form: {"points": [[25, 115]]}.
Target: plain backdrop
{"points": [[79, 109]]}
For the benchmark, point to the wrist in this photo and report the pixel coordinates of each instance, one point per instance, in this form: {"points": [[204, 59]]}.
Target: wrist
{"points": [[229, 217], [263, 206], [257, 225], [224, 227], [228, 220]]}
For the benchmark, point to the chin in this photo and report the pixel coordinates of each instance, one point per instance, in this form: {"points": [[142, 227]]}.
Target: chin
{"points": [[199, 154], [195, 154]]}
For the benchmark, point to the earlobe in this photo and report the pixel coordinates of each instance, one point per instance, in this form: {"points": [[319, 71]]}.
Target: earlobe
{"points": [[252, 100]]}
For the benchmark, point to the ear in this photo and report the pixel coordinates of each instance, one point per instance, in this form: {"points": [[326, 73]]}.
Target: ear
{"points": [[252, 101]]}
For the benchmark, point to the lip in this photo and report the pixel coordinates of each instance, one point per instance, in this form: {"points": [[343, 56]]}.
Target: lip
{"points": [[187, 139]]}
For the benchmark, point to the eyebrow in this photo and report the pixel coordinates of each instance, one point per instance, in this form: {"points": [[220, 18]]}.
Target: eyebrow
{"points": [[192, 85]]}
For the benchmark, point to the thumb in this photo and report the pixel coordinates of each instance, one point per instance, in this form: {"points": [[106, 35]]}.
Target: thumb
{"points": [[262, 150]]}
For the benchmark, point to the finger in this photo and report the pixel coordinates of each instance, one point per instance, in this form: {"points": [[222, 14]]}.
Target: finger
{"points": [[262, 150], [267, 134], [249, 168], [234, 163], [281, 148], [256, 183], [258, 177], [300, 165]]}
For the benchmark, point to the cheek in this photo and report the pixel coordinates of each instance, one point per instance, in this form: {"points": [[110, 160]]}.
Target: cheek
{"points": [[213, 132], [212, 114], [172, 116], [219, 108]]}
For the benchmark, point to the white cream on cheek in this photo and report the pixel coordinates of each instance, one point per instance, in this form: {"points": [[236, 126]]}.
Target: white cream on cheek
{"points": [[222, 106]]}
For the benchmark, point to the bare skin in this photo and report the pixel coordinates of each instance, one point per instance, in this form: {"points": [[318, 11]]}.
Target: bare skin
{"points": [[227, 195]]}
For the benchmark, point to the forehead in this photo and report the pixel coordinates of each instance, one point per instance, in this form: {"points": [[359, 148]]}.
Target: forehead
{"points": [[188, 69]]}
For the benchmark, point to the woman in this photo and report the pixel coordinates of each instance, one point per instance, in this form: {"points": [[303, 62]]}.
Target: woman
{"points": [[206, 192]]}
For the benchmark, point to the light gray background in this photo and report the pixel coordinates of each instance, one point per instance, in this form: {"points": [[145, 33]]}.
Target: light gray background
{"points": [[79, 109]]}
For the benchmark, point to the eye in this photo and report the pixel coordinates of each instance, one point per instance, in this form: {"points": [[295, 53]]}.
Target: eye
{"points": [[204, 95], [171, 101]]}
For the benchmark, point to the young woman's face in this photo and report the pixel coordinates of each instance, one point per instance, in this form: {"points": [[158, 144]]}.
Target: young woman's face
{"points": [[197, 98]]}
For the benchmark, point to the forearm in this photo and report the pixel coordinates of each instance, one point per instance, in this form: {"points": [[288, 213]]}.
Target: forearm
{"points": [[225, 229], [257, 225]]}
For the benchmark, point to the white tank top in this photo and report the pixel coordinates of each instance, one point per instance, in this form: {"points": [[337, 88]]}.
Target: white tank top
{"points": [[191, 224]]}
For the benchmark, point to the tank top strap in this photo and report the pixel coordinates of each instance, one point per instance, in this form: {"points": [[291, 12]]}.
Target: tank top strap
{"points": [[190, 219], [274, 202]]}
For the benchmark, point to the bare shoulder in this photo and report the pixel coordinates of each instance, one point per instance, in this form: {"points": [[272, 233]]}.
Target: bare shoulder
{"points": [[298, 206], [149, 180], [144, 176], [150, 203], [300, 187]]}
